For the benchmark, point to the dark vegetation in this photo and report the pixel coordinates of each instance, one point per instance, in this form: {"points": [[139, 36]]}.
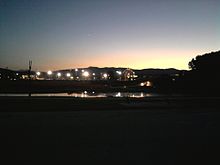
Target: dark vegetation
{"points": [[203, 78]]}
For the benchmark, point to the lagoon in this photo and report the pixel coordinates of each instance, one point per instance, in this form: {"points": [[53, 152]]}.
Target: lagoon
{"points": [[86, 94]]}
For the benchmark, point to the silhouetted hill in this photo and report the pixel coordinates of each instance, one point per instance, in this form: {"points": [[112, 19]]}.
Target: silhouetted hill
{"points": [[150, 71], [170, 71], [2, 70]]}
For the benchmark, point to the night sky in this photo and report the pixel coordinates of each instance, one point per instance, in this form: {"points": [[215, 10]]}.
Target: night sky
{"points": [[61, 34]]}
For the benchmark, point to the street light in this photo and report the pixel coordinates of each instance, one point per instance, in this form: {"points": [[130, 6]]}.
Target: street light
{"points": [[49, 72], [148, 83], [58, 74], [68, 75], [38, 73], [85, 73], [142, 84], [118, 94], [119, 72], [105, 75]]}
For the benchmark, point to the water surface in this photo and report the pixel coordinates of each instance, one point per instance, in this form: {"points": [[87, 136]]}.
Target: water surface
{"points": [[90, 95]]}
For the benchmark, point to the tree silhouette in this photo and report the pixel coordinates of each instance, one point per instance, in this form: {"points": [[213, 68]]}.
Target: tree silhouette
{"points": [[206, 63], [203, 77]]}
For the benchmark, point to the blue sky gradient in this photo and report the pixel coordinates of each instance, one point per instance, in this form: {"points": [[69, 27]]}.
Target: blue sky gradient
{"points": [[127, 33]]}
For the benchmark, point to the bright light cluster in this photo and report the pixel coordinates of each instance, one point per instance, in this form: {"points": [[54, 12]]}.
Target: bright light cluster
{"points": [[85, 73], [49, 72], [38, 73]]}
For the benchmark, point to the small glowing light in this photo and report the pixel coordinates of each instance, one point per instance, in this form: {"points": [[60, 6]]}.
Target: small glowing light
{"points": [[68, 75], [148, 84], [93, 74], [38, 73], [142, 84], [119, 72], [49, 72], [118, 94], [17, 74], [71, 77], [84, 94], [85, 73], [105, 75], [76, 69], [59, 74], [83, 70], [93, 92]]}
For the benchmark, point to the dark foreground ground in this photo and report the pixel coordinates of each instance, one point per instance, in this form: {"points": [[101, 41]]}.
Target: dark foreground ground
{"points": [[151, 130]]}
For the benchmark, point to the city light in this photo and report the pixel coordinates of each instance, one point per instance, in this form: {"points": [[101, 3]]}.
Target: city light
{"points": [[142, 84], [49, 72], [38, 73], [118, 94], [118, 72], [85, 73], [105, 75], [59, 74], [68, 75], [76, 69], [148, 84], [93, 74]]}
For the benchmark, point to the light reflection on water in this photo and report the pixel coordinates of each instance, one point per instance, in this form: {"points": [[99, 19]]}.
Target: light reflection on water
{"points": [[86, 94]]}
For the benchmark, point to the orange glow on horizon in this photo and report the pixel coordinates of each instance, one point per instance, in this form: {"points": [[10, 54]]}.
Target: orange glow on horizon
{"points": [[133, 59]]}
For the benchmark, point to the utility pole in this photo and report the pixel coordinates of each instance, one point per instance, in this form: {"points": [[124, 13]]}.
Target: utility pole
{"points": [[29, 77]]}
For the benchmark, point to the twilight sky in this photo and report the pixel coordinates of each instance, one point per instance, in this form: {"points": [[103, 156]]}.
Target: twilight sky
{"points": [[60, 34]]}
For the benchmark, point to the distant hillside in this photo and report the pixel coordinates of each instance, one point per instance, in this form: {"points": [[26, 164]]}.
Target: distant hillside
{"points": [[8, 71], [2, 70], [151, 71]]}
